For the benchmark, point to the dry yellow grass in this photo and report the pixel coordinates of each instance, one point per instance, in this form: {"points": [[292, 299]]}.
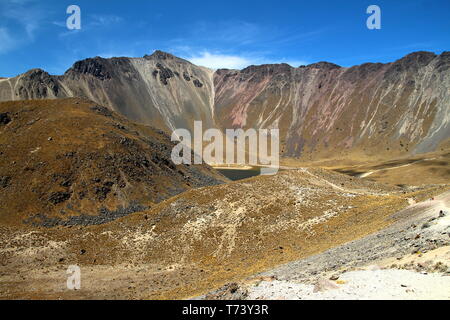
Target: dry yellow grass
{"points": [[201, 239]]}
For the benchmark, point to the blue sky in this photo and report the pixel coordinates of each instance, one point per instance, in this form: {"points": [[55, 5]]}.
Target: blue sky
{"points": [[233, 34]]}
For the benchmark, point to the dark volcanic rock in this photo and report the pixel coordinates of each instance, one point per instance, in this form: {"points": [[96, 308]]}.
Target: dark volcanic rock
{"points": [[4, 118], [37, 84], [444, 62], [197, 83], [102, 192], [104, 216], [410, 63], [160, 55], [258, 73], [5, 181], [92, 66], [362, 71], [230, 291], [324, 65], [102, 110], [164, 73], [59, 197], [186, 76], [268, 69]]}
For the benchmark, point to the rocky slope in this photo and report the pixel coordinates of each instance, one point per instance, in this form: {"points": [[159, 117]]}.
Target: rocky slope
{"points": [[73, 162], [407, 260], [201, 239], [161, 89], [82, 184], [323, 110]]}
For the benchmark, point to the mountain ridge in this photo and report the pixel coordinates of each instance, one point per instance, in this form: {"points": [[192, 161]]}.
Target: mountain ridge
{"points": [[163, 55], [322, 110]]}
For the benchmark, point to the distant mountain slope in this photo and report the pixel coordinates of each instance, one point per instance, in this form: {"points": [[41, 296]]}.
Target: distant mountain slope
{"points": [[373, 110], [161, 89], [324, 110], [72, 162]]}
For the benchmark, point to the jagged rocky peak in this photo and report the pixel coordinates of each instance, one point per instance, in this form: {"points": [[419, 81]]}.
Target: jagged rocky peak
{"points": [[226, 71], [444, 61], [35, 74], [419, 57], [323, 65], [36, 84], [445, 54], [255, 73], [410, 63], [168, 66], [161, 55], [356, 73], [164, 73], [96, 67], [266, 69]]}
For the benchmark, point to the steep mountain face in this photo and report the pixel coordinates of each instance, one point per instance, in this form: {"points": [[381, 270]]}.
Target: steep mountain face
{"points": [[161, 89], [323, 110], [73, 162]]}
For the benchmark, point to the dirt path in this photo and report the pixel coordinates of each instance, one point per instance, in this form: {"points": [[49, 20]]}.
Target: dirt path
{"points": [[366, 174], [337, 187]]}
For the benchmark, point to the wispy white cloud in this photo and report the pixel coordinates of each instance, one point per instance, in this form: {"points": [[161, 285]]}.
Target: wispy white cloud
{"points": [[98, 20], [19, 22], [93, 22], [219, 61], [226, 61], [239, 34], [235, 44], [25, 13], [61, 24], [235, 32], [7, 42]]}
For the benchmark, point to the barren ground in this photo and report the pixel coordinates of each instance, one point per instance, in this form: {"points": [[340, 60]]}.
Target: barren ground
{"points": [[410, 259], [202, 239]]}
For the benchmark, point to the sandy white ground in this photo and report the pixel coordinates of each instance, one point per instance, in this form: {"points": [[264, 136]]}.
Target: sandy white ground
{"points": [[360, 285], [423, 229], [410, 259]]}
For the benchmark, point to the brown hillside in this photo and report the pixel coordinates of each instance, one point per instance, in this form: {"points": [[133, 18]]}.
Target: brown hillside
{"points": [[71, 162], [203, 238]]}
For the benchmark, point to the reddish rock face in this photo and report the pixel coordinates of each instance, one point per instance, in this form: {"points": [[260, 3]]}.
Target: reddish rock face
{"points": [[322, 110], [325, 111]]}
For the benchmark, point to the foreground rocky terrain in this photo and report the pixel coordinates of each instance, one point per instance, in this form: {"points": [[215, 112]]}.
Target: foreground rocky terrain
{"points": [[201, 239], [410, 259], [364, 181]]}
